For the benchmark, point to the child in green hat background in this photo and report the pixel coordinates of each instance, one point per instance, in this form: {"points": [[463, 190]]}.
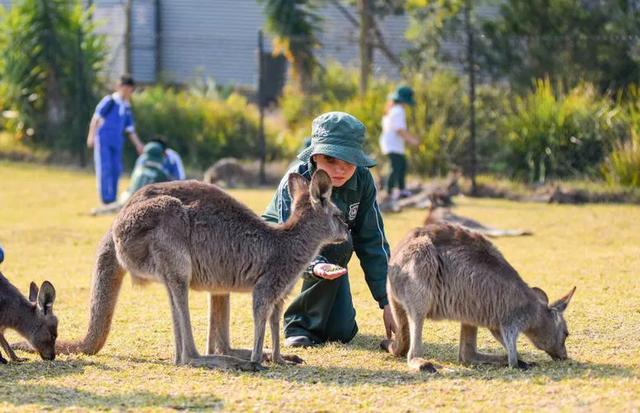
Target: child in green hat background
{"points": [[323, 311], [394, 136]]}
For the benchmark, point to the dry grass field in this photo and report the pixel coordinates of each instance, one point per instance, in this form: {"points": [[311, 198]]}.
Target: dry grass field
{"points": [[47, 233]]}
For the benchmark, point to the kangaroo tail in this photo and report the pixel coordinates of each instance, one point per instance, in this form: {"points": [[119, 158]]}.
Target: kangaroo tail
{"points": [[399, 346], [107, 280]]}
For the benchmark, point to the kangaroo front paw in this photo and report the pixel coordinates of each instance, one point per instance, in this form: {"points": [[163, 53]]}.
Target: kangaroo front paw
{"points": [[386, 345], [286, 359], [3, 360], [422, 365], [523, 365], [292, 359], [252, 366]]}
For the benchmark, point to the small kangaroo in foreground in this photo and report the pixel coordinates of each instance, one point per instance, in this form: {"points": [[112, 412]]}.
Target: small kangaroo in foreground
{"points": [[188, 234], [444, 272], [33, 319]]}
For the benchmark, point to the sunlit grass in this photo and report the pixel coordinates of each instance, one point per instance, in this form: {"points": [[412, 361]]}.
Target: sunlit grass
{"points": [[47, 234]]}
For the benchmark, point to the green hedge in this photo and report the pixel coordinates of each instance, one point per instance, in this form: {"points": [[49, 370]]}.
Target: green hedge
{"points": [[438, 119], [202, 130], [553, 134], [546, 133]]}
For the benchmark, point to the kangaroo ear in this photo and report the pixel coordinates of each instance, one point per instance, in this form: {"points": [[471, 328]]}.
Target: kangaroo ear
{"points": [[541, 295], [46, 297], [33, 292], [320, 188], [297, 185], [562, 303]]}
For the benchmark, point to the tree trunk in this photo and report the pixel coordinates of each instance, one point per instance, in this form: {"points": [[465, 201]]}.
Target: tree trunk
{"points": [[472, 96], [366, 49]]}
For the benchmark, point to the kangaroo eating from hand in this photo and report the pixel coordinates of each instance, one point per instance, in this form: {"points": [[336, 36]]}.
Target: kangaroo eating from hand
{"points": [[33, 319], [444, 272], [192, 235]]}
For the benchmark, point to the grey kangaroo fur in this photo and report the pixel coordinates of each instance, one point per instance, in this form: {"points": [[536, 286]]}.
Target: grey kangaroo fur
{"points": [[33, 319], [444, 272], [189, 234]]}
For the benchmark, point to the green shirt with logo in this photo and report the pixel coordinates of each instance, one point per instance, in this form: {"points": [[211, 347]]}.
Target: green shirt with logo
{"points": [[357, 201]]}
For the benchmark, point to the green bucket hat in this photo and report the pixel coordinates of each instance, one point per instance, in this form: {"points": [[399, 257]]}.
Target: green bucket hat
{"points": [[153, 151], [339, 135], [403, 94]]}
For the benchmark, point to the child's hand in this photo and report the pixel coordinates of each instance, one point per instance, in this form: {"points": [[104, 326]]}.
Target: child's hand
{"points": [[329, 271], [389, 322]]}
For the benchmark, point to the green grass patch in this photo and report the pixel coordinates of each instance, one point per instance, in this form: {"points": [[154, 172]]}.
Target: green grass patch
{"points": [[47, 233]]}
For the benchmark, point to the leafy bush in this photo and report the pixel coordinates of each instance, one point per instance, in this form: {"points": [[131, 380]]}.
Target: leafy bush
{"points": [[438, 118], [623, 164], [49, 57], [439, 121], [202, 130], [550, 134]]}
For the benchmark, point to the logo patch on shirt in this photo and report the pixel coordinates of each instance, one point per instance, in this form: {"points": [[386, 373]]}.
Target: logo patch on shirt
{"points": [[353, 211]]}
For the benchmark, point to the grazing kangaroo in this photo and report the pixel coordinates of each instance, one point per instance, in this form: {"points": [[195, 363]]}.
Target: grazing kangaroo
{"points": [[33, 319], [188, 234], [445, 272], [228, 171]]}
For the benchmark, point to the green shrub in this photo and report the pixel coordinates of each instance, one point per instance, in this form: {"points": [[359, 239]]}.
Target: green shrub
{"points": [[438, 119], [622, 166], [548, 134], [202, 130], [49, 58]]}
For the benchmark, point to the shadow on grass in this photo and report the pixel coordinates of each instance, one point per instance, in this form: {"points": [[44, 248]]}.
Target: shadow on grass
{"points": [[444, 355], [543, 372], [57, 397], [37, 369]]}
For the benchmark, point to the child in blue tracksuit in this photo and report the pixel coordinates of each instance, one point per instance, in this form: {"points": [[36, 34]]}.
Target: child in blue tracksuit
{"points": [[113, 117]]}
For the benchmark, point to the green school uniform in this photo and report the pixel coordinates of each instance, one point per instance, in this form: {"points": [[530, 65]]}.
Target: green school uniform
{"points": [[324, 309], [148, 170]]}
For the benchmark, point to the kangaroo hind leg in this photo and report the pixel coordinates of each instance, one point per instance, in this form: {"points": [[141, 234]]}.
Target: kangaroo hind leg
{"points": [[218, 341]]}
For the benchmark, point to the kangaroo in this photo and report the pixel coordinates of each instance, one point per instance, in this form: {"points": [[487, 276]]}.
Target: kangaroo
{"points": [[227, 170], [437, 215], [188, 234], [446, 272], [432, 194], [33, 319]]}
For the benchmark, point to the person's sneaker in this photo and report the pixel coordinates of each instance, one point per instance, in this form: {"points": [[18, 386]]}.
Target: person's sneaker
{"points": [[298, 341]]}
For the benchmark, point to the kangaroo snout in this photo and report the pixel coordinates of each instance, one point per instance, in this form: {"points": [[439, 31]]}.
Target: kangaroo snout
{"points": [[558, 356], [48, 355]]}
